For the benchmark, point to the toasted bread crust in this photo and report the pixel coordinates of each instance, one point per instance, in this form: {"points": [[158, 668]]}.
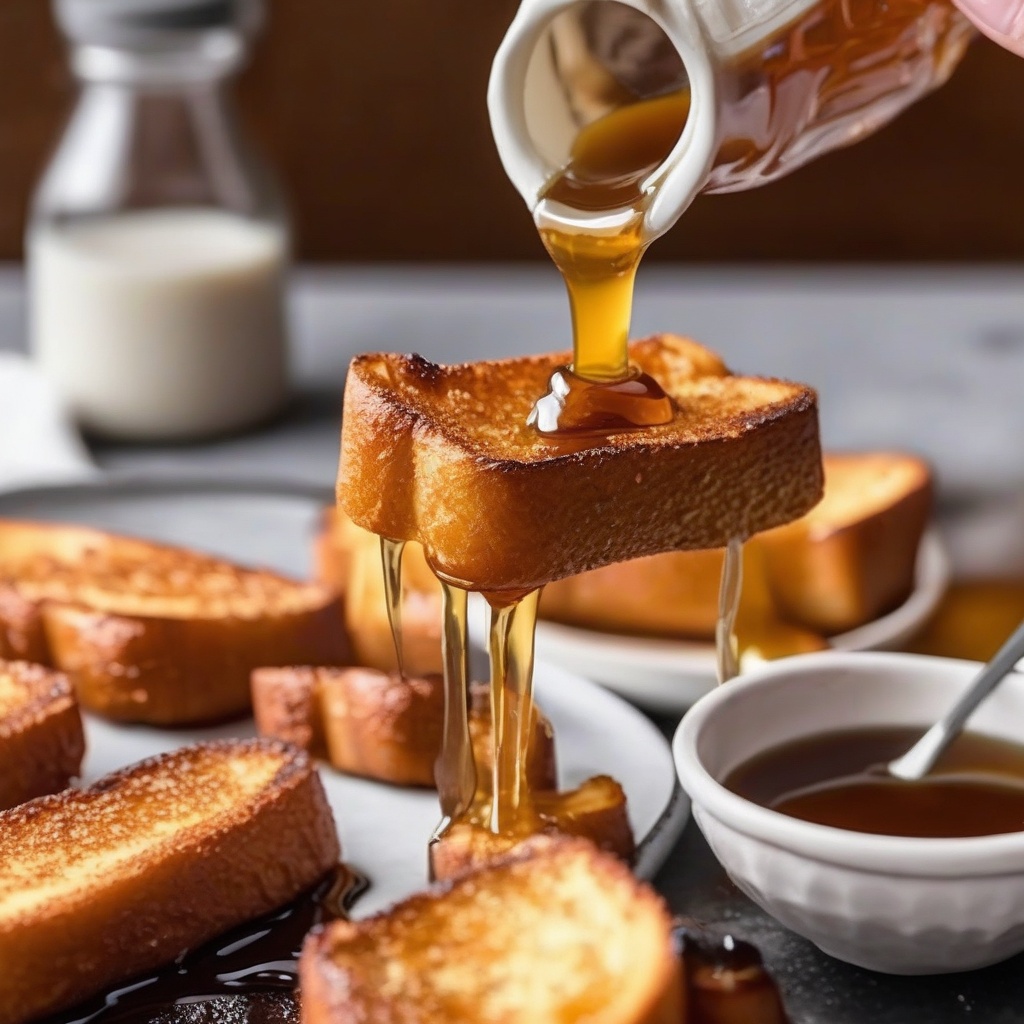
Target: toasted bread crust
{"points": [[286, 706], [22, 634], [179, 671], [853, 557], [476, 949], [442, 455], [99, 884], [378, 725], [41, 738], [154, 633]]}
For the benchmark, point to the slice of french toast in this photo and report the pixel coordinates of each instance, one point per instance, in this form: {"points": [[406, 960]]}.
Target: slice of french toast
{"points": [[150, 632], [555, 932], [443, 455], [380, 725], [41, 738], [594, 810], [99, 884], [853, 556]]}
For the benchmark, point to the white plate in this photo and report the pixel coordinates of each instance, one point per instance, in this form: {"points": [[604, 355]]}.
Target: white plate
{"points": [[384, 829], [670, 675]]}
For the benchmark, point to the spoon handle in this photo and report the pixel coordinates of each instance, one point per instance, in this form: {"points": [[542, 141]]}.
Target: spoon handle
{"points": [[921, 757]]}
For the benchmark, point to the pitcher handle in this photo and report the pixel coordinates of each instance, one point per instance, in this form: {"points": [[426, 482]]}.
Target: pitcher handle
{"points": [[678, 179]]}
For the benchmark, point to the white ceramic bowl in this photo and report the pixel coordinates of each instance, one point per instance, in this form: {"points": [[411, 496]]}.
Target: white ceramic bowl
{"points": [[888, 903]]}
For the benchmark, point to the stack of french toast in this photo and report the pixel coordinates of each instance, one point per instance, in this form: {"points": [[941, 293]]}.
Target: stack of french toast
{"points": [[100, 883]]}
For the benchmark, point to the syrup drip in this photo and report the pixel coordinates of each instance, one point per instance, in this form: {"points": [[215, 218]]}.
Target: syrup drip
{"points": [[606, 176], [456, 772], [729, 593], [246, 976], [391, 559], [512, 629]]}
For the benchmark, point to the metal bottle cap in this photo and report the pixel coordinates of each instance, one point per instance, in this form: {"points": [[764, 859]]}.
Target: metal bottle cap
{"points": [[146, 22]]}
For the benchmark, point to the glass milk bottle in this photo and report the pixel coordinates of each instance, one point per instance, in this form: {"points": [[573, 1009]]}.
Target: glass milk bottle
{"points": [[157, 244]]}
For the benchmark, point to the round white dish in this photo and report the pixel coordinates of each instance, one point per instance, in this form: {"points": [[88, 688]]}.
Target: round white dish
{"points": [[384, 829], [670, 675], [888, 903]]}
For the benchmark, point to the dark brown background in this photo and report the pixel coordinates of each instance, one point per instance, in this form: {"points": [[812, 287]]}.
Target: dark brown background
{"points": [[374, 115]]}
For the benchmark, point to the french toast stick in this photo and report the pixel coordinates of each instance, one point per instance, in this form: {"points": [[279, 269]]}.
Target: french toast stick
{"points": [[556, 932], [852, 557], [154, 633], [380, 725], [99, 884], [594, 810], [41, 738], [443, 455]]}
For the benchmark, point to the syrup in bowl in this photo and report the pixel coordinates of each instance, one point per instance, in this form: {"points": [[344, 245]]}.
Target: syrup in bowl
{"points": [[838, 778]]}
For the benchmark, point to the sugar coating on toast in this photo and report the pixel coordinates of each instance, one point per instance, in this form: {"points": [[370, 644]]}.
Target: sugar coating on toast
{"points": [[65, 846], [443, 455], [556, 932], [117, 574]]}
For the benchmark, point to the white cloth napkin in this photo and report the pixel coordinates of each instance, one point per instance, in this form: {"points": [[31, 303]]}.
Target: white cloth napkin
{"points": [[38, 439]]}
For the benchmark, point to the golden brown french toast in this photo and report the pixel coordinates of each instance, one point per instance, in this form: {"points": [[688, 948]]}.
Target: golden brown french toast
{"points": [[41, 738], [379, 725], [150, 632], [443, 455], [348, 559], [595, 810], [99, 884], [556, 932], [852, 557], [848, 560]]}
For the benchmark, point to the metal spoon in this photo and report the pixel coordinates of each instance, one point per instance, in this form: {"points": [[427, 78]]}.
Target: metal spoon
{"points": [[919, 760]]}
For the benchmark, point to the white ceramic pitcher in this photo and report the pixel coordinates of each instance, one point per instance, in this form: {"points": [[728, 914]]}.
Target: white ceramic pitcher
{"points": [[865, 62]]}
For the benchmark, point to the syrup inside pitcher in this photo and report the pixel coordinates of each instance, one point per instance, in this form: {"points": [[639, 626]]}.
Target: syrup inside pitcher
{"points": [[610, 122]]}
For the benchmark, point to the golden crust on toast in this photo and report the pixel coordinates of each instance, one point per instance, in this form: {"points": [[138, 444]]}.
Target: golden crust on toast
{"points": [[41, 738], [378, 725], [150, 632], [99, 884], [852, 558], [555, 932], [443, 455]]}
